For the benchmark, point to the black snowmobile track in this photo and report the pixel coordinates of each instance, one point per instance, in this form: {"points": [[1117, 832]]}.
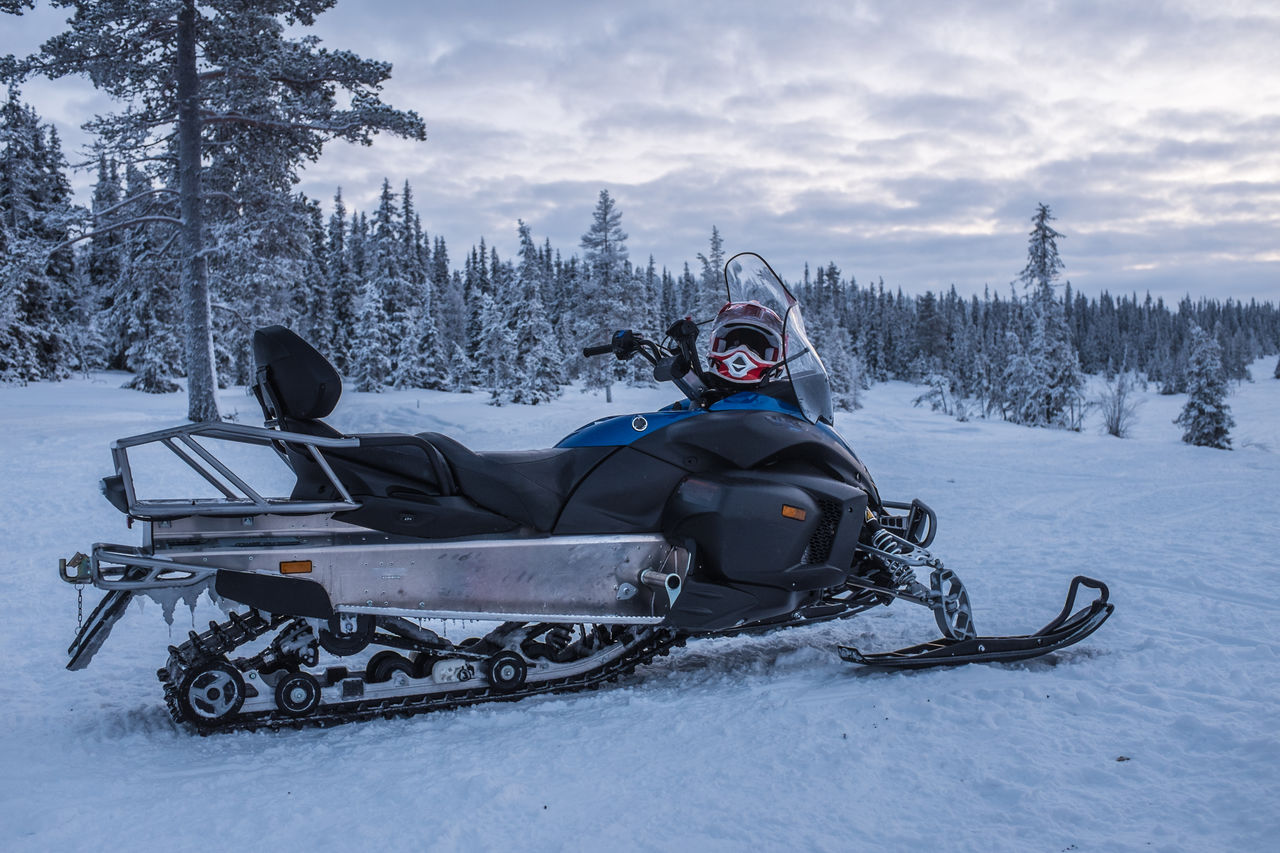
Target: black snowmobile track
{"points": [[1063, 631], [221, 639]]}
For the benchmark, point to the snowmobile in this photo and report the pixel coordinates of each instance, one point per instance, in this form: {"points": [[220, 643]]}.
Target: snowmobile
{"points": [[738, 508]]}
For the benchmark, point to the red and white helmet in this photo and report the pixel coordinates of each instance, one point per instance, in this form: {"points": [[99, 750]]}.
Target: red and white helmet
{"points": [[746, 342]]}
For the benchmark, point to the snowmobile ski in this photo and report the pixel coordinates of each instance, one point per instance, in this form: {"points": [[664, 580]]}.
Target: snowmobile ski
{"points": [[1067, 629]]}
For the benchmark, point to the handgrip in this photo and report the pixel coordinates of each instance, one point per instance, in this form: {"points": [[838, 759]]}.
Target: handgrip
{"points": [[603, 349]]}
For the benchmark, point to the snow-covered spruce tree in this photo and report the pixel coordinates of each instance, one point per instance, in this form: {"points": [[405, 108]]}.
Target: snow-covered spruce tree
{"points": [[643, 308], [495, 369], [427, 364], [460, 373], [195, 74], [142, 304], [315, 296], [1206, 418], [421, 359], [370, 357], [1016, 394], [711, 292], [603, 305], [400, 302], [476, 285], [835, 348], [448, 308], [1276, 372], [106, 259], [931, 334], [538, 357], [37, 286], [1053, 395], [343, 289]]}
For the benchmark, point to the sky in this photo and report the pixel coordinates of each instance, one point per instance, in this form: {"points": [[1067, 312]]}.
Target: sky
{"points": [[909, 141]]}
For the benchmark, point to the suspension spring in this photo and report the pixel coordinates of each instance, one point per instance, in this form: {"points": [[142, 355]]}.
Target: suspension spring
{"points": [[885, 541]]}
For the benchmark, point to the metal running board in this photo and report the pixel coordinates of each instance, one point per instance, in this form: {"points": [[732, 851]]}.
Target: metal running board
{"points": [[1063, 631], [608, 578]]}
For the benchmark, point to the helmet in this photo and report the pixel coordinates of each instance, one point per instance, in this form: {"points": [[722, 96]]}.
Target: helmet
{"points": [[746, 342]]}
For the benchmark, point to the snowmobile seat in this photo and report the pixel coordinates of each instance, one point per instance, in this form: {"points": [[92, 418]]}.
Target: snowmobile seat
{"points": [[297, 386], [422, 485], [529, 486]]}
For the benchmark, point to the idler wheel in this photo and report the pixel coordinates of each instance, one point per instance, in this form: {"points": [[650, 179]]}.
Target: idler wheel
{"points": [[383, 666], [506, 671], [337, 642], [298, 694], [211, 693]]}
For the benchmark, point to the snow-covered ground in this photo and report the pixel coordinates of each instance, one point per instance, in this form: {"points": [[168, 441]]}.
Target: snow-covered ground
{"points": [[1159, 732]]}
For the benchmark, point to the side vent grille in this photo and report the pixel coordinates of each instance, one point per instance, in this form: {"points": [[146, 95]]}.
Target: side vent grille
{"points": [[824, 535]]}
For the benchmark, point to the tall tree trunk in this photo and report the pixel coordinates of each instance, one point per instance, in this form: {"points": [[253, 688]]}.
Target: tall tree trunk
{"points": [[202, 385]]}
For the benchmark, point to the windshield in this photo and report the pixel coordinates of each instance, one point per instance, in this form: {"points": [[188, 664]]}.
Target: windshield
{"points": [[749, 277]]}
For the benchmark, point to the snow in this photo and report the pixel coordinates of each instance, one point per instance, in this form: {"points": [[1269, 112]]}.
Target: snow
{"points": [[1156, 733]]}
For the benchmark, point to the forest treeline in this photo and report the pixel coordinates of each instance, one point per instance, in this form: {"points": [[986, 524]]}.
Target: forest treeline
{"points": [[395, 306]]}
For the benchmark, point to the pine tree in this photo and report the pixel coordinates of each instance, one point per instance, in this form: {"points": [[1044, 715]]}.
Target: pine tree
{"points": [[1053, 394], [931, 333], [844, 371], [142, 304], [1206, 418], [106, 257], [495, 371], [371, 360], [207, 80], [1276, 372], [37, 276], [711, 293], [316, 308], [603, 306], [460, 375], [341, 285], [538, 358]]}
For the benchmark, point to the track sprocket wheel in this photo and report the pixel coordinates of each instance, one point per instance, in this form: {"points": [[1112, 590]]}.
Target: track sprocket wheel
{"points": [[211, 693]]}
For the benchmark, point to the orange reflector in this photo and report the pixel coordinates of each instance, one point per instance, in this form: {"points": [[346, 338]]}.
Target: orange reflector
{"points": [[793, 512], [295, 567]]}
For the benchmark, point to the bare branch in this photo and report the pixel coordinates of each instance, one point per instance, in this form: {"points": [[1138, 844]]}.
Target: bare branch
{"points": [[158, 253], [129, 223], [97, 214]]}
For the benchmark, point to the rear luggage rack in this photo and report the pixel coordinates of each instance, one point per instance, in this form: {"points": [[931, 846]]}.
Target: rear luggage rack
{"points": [[238, 497]]}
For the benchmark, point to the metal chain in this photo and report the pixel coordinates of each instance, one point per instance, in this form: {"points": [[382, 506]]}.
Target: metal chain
{"points": [[79, 608]]}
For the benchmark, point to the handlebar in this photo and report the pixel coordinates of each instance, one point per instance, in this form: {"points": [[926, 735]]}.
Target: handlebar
{"points": [[679, 365]]}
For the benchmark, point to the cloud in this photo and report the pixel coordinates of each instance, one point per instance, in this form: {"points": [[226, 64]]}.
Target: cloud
{"points": [[911, 141]]}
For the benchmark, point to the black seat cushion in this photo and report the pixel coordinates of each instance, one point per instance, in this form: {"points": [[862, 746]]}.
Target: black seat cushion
{"points": [[529, 486], [385, 465], [303, 384]]}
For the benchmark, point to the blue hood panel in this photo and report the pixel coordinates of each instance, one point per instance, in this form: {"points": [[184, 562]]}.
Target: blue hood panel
{"points": [[621, 430]]}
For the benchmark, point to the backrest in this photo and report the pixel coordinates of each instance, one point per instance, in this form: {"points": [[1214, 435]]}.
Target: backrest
{"points": [[294, 382]]}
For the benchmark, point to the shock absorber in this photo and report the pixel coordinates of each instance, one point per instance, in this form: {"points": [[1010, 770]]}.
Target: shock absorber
{"points": [[881, 538], [901, 575]]}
